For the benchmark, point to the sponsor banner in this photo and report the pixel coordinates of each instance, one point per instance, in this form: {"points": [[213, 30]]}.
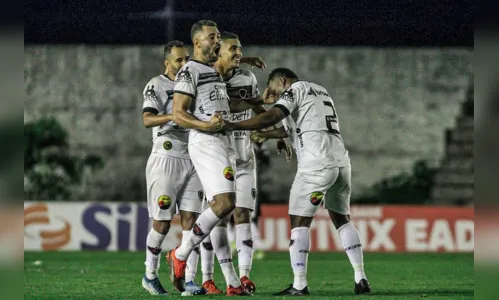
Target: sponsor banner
{"points": [[381, 228], [111, 226]]}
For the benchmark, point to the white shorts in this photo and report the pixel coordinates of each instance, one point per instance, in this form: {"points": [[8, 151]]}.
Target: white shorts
{"points": [[330, 187], [172, 182], [246, 188], [215, 167]]}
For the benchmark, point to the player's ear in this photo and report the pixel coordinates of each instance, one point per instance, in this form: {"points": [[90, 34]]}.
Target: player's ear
{"points": [[166, 63]]}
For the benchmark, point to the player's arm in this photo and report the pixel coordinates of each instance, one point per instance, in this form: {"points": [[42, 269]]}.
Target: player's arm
{"points": [[151, 118], [240, 105], [261, 121], [254, 62], [181, 103], [278, 133]]}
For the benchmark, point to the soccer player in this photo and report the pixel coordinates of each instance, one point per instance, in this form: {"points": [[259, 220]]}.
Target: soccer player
{"points": [[200, 102], [323, 176], [241, 85], [171, 178]]}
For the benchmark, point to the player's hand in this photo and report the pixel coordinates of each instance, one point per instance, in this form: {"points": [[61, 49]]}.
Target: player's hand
{"points": [[268, 97], [215, 123], [254, 62], [256, 137], [281, 145], [228, 126]]}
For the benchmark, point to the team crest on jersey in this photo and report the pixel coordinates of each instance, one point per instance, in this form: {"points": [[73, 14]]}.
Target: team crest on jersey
{"points": [[167, 145], [184, 76], [201, 195], [243, 93], [253, 193], [316, 198], [229, 173], [164, 202], [150, 94], [288, 96]]}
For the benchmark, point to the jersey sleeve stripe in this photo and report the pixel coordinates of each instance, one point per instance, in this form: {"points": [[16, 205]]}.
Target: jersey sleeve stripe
{"points": [[283, 108], [185, 93], [151, 110]]}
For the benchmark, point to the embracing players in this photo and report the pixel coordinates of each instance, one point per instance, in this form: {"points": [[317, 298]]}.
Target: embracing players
{"points": [[323, 176]]}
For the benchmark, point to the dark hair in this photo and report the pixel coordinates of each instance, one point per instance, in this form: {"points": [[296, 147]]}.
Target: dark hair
{"points": [[281, 72], [229, 35], [170, 45], [198, 26]]}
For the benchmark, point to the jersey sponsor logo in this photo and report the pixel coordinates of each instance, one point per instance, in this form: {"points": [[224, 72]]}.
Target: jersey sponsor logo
{"points": [[316, 198], [164, 202], [229, 173], [288, 96], [219, 94], [150, 94], [184, 76], [241, 116], [253, 193], [167, 145]]}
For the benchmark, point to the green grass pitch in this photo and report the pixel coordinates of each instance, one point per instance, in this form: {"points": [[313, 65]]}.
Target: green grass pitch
{"points": [[117, 275]]}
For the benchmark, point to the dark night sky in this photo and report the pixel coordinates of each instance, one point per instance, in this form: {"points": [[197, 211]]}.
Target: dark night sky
{"points": [[271, 22]]}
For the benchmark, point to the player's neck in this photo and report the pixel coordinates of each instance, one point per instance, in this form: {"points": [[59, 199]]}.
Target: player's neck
{"points": [[199, 57], [170, 75], [226, 73]]}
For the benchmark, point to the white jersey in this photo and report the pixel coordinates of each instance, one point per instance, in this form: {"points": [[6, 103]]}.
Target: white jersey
{"points": [[169, 138], [243, 85], [313, 127], [209, 96]]}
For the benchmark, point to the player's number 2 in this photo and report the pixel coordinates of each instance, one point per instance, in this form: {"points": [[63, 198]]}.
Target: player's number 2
{"points": [[331, 118]]}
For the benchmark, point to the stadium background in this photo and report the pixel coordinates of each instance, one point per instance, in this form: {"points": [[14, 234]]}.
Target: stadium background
{"points": [[401, 76]]}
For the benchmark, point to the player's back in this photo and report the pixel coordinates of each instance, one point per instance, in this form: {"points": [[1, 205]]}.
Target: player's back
{"points": [[209, 96], [313, 126], [169, 138], [242, 85]]}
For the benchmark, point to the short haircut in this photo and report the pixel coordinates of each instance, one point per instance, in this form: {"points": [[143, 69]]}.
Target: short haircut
{"points": [[170, 45], [198, 26], [229, 35], [282, 72]]}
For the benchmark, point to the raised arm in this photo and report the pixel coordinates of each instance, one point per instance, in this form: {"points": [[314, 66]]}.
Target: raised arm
{"points": [[181, 104]]}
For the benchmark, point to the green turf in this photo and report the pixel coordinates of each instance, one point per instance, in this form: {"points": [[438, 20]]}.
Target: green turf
{"points": [[107, 275]]}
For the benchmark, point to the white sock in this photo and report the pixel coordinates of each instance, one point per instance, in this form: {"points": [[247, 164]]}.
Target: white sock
{"points": [[207, 259], [244, 248], [351, 242], [192, 261], [299, 247], [221, 246], [231, 232], [153, 253], [203, 226], [255, 235]]}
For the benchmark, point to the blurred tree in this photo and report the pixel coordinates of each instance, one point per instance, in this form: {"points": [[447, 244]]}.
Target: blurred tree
{"points": [[412, 188], [50, 171]]}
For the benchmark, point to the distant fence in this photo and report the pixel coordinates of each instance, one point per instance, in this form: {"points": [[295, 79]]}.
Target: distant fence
{"points": [[111, 226]]}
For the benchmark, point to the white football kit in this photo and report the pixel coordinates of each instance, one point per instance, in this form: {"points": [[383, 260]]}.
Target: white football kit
{"points": [[211, 153], [243, 85], [171, 178], [324, 175]]}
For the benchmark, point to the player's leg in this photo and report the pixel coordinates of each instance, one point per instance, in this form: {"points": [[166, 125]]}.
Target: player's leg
{"points": [[245, 203], [306, 196], [190, 206], [338, 204], [231, 232], [161, 193], [216, 173], [207, 262], [255, 228]]}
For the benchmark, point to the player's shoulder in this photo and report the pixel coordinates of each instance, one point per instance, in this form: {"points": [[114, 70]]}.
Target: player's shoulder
{"points": [[244, 73], [242, 77], [154, 83]]}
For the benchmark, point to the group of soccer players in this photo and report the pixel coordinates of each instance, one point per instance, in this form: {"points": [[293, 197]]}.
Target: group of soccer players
{"points": [[205, 112]]}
